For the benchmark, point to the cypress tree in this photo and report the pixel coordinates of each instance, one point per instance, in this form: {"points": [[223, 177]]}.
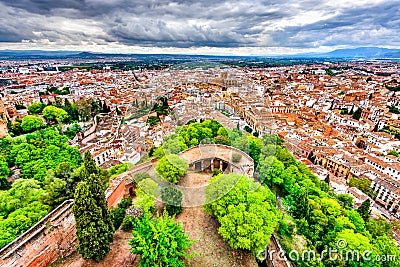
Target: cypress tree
{"points": [[94, 227], [364, 210]]}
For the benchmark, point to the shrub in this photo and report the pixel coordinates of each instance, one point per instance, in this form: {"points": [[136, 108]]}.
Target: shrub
{"points": [[129, 223], [117, 215], [125, 203]]}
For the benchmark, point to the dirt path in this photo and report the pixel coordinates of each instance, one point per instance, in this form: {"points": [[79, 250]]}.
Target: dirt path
{"points": [[119, 256]]}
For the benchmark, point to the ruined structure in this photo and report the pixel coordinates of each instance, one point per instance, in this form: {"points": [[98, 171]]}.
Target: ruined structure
{"points": [[54, 237]]}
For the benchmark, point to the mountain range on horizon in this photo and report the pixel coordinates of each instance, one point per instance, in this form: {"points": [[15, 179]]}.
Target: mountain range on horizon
{"points": [[350, 53]]}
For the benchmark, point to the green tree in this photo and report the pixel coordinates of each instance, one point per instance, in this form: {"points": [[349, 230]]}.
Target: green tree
{"points": [[55, 190], [270, 171], [94, 226], [172, 197], [4, 172], [244, 209], [172, 168], [54, 114], [36, 107], [378, 227], [146, 194], [357, 114], [31, 123], [345, 200], [84, 108], [160, 242], [364, 210]]}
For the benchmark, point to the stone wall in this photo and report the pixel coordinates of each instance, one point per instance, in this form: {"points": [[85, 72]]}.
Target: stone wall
{"points": [[51, 238], [54, 237]]}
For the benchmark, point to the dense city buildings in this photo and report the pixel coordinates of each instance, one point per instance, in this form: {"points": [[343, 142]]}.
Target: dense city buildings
{"points": [[341, 119], [348, 121]]}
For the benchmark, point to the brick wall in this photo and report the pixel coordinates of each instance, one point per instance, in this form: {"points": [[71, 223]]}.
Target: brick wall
{"points": [[51, 238]]}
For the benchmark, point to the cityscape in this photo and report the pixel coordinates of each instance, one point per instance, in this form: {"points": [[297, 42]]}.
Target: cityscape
{"points": [[172, 138]]}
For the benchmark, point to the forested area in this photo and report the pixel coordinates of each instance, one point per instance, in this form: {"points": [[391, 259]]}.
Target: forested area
{"points": [[45, 164], [311, 217], [43, 115]]}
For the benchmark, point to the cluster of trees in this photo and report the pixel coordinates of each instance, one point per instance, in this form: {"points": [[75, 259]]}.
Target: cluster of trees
{"points": [[40, 151], [57, 112], [161, 108], [364, 184], [55, 90], [49, 171], [312, 211], [355, 114], [244, 209], [319, 215]]}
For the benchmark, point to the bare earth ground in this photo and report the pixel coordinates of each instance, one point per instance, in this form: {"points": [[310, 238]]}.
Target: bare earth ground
{"points": [[119, 255], [210, 249]]}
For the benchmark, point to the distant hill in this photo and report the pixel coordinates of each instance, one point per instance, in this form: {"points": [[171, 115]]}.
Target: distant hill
{"points": [[360, 52], [354, 53]]}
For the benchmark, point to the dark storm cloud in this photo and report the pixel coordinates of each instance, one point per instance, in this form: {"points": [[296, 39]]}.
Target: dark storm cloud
{"points": [[186, 23]]}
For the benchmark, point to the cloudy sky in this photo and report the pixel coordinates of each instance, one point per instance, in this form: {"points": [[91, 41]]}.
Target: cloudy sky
{"points": [[202, 26]]}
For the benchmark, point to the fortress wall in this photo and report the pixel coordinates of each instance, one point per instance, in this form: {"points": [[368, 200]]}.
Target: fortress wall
{"points": [[54, 237]]}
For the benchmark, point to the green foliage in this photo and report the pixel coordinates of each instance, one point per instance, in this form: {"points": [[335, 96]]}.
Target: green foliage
{"points": [[172, 197], [248, 129], [330, 72], [43, 150], [94, 225], [72, 131], [364, 184], [31, 123], [357, 114], [36, 107], [216, 171], [55, 190], [270, 171], [4, 172], [378, 227], [140, 177], [20, 209], [345, 200], [56, 90], [125, 203], [117, 215], [160, 242], [129, 222], [146, 193], [394, 110], [54, 114], [89, 167], [393, 153], [152, 121], [172, 168], [244, 209], [118, 169]]}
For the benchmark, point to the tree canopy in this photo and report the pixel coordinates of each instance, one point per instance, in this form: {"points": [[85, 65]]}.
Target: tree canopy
{"points": [[160, 242], [172, 168]]}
